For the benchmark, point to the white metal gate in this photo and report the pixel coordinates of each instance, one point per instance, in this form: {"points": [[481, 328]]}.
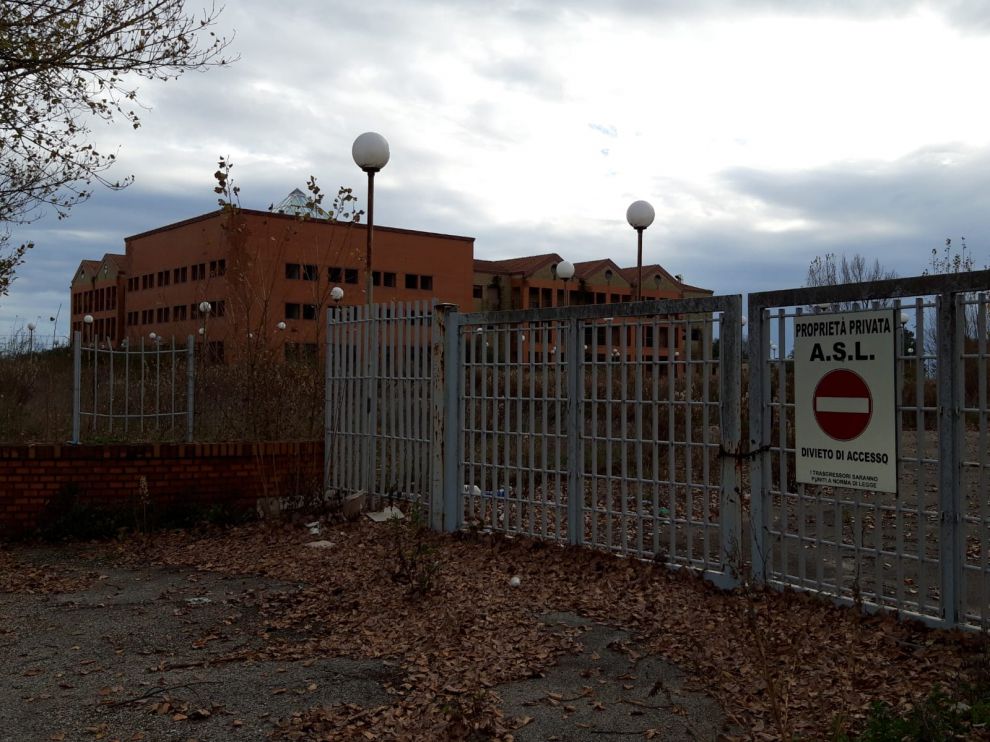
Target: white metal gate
{"points": [[922, 551]]}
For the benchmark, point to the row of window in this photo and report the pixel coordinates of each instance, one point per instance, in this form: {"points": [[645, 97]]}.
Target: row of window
{"points": [[180, 313], [95, 300], [102, 329], [177, 275], [545, 297], [337, 274]]}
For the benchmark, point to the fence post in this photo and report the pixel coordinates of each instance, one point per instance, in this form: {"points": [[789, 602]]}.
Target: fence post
{"points": [[190, 386], [370, 412], [438, 438], [453, 443], [575, 466], [76, 383], [729, 362], [948, 370], [327, 403], [759, 435]]}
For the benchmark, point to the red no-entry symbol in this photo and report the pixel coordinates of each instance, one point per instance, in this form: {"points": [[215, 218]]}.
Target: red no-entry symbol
{"points": [[843, 404]]}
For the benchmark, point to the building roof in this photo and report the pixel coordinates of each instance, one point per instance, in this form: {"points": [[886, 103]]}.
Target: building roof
{"points": [[590, 267], [298, 203], [118, 260], [526, 266], [630, 275], [219, 213]]}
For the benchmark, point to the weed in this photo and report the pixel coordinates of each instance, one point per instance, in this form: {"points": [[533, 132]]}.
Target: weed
{"points": [[942, 716], [415, 558]]}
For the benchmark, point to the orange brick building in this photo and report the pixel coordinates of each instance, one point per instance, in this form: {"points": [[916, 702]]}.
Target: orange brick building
{"points": [[267, 278], [532, 282], [258, 270]]}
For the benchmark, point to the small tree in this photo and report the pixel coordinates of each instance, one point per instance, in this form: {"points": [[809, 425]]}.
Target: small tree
{"points": [[831, 270], [956, 258], [64, 63]]}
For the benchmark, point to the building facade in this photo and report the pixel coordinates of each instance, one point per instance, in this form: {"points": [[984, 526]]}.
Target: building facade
{"points": [[265, 278], [259, 272], [532, 282]]}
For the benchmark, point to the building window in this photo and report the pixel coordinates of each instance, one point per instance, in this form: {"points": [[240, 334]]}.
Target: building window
{"points": [[350, 275], [310, 273], [162, 314], [219, 307], [199, 272], [179, 313], [164, 278], [387, 279], [335, 275], [412, 281], [180, 275], [222, 267], [426, 283], [292, 271], [309, 311], [147, 281], [217, 268], [292, 311], [477, 292]]}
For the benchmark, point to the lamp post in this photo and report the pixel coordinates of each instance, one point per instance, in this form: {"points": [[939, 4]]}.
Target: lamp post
{"points": [[565, 272], [88, 322], [640, 215], [336, 293], [31, 337], [204, 309], [370, 153]]}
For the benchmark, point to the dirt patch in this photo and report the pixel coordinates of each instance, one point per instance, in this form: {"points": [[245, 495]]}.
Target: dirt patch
{"points": [[164, 653]]}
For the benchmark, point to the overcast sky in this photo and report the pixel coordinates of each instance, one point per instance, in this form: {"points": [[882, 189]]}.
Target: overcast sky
{"points": [[764, 132]]}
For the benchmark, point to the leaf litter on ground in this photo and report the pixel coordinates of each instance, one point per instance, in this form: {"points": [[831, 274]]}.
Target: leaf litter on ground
{"points": [[774, 661]]}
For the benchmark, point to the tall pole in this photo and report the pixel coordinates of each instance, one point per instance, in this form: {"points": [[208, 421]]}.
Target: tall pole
{"points": [[639, 263], [640, 215], [371, 233]]}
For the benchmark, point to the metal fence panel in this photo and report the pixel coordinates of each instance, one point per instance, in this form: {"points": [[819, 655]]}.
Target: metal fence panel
{"points": [[603, 425], [146, 389], [923, 550], [378, 402]]}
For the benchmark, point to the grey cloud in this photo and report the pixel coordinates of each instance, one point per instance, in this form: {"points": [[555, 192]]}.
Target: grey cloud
{"points": [[968, 15], [944, 189]]}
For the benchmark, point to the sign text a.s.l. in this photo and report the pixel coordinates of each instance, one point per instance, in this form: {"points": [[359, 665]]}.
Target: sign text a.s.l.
{"points": [[845, 400]]}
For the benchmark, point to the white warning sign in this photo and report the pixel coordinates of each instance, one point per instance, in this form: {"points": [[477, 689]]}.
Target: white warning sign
{"points": [[844, 399]]}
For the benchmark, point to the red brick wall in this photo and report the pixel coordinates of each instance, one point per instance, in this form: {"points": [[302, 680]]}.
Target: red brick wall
{"points": [[234, 475]]}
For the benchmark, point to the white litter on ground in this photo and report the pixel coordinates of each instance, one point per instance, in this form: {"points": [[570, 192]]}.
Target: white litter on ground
{"points": [[386, 514]]}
